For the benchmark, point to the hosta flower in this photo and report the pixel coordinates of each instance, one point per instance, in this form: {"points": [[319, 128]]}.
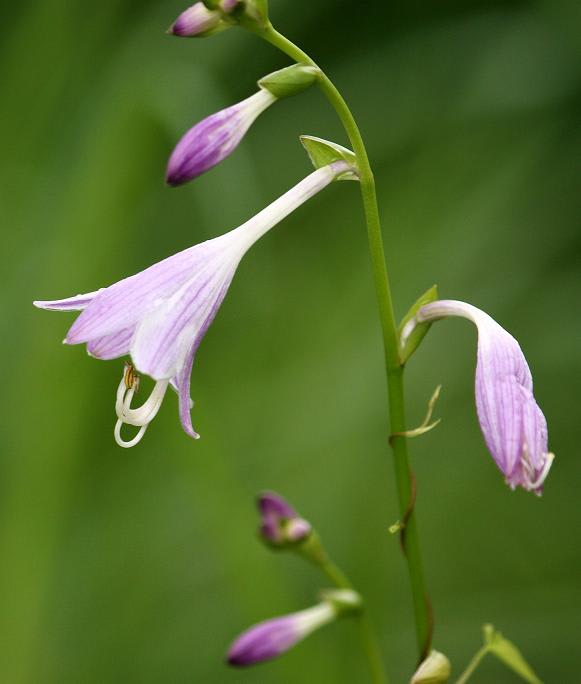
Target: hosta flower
{"points": [[280, 523], [272, 638], [214, 138], [513, 425], [160, 315]]}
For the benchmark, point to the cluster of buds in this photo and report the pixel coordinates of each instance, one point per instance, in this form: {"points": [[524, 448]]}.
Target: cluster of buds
{"points": [[282, 528]]}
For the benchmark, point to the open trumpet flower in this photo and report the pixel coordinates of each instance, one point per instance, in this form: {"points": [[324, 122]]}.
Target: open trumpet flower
{"points": [[159, 316]]}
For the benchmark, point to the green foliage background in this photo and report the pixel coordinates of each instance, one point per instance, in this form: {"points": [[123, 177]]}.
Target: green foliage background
{"points": [[142, 565]]}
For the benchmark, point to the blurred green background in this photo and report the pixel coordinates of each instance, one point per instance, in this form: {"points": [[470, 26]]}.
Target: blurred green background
{"points": [[142, 565]]}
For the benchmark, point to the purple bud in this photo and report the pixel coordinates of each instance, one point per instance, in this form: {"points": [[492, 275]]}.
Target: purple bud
{"points": [[197, 20], [513, 425], [272, 638], [214, 138], [280, 523]]}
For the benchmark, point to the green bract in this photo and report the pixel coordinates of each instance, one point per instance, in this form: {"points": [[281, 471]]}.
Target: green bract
{"points": [[322, 152], [509, 654], [419, 332], [345, 601], [290, 80]]}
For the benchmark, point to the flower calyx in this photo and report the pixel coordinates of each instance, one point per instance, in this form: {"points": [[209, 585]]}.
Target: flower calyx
{"points": [[290, 80]]}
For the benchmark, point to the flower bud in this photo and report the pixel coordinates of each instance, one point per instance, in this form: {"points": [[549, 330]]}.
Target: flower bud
{"points": [[435, 669], [280, 525], [197, 21], [214, 138], [272, 638], [290, 80]]}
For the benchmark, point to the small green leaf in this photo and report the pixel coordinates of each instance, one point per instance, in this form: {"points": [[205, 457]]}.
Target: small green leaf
{"points": [[509, 654], [323, 152], [417, 335]]}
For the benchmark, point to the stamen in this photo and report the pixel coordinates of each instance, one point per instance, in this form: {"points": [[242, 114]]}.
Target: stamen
{"points": [[139, 417], [130, 376], [132, 442], [534, 484], [147, 411]]}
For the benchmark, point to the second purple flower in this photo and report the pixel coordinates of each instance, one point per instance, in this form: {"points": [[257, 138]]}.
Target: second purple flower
{"points": [[513, 425]]}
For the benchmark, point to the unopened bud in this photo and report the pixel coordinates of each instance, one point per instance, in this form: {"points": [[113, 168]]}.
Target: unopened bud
{"points": [[280, 524], [435, 669], [197, 21], [214, 138], [272, 638]]}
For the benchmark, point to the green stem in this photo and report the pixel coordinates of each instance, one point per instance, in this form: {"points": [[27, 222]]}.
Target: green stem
{"points": [[403, 474], [368, 636], [472, 665]]}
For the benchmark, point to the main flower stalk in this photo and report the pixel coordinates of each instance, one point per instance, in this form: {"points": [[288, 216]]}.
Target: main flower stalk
{"points": [[403, 474]]}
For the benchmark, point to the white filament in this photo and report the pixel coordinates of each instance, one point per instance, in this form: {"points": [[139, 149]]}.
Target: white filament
{"points": [[139, 417], [528, 469]]}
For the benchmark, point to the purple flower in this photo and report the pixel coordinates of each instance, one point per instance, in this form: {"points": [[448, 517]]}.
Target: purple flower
{"points": [[197, 21], [269, 639], [214, 138], [160, 315], [280, 523], [513, 425]]}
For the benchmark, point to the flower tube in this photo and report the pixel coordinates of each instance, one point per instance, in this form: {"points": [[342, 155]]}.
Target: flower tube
{"points": [[513, 425], [160, 315]]}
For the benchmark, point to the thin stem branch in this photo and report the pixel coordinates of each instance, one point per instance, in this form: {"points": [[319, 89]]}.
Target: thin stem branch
{"points": [[403, 475], [368, 636], [472, 665]]}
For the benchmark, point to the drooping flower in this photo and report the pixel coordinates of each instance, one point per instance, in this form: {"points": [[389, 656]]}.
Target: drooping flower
{"points": [[214, 138], [280, 523], [272, 638], [197, 21], [513, 425], [160, 315]]}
